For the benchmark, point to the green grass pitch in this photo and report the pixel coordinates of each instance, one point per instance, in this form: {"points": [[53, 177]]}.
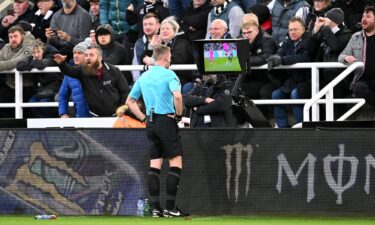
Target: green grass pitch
{"points": [[193, 220], [222, 64]]}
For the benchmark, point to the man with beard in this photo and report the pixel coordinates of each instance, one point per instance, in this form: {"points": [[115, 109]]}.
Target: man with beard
{"points": [[104, 86], [69, 26], [151, 25], [361, 47], [18, 49]]}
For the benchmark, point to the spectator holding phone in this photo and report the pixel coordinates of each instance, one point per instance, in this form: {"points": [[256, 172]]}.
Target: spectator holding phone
{"points": [[69, 26]]}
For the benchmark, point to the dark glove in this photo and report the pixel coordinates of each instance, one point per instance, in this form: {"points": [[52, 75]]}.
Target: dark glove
{"points": [[24, 65], [273, 61], [38, 64]]}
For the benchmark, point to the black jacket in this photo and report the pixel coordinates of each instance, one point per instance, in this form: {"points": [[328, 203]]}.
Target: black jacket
{"points": [[312, 16], [105, 95], [326, 46], [260, 50], [114, 52], [196, 18], [291, 53], [27, 16], [48, 83], [219, 110], [353, 12], [182, 53]]}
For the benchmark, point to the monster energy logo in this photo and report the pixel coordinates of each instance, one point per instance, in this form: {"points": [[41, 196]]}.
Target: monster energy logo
{"points": [[239, 150], [330, 163]]}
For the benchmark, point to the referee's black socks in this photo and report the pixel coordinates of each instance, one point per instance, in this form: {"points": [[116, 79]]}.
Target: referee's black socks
{"points": [[173, 179], [154, 187]]}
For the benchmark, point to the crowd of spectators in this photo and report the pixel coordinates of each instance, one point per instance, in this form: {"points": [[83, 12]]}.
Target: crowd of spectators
{"points": [[41, 33]]}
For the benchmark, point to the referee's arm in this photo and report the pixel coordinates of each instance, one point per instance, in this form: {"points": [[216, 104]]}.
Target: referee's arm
{"points": [[133, 106], [177, 97]]}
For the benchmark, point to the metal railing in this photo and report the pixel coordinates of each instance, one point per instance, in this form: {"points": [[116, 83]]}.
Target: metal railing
{"points": [[328, 92], [19, 104]]}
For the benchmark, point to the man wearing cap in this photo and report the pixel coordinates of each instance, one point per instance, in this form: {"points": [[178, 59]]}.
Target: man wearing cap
{"points": [[113, 52], [69, 26], [72, 86], [19, 48], [361, 48], [327, 40], [20, 11], [103, 84]]}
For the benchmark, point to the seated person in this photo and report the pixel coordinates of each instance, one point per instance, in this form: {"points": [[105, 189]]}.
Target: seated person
{"points": [[47, 83], [211, 103], [296, 85]]}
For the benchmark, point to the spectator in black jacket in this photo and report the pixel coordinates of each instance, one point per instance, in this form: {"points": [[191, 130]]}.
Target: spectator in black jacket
{"points": [[353, 10], [327, 40], [194, 20], [20, 12], [257, 84], [94, 13], [104, 86], [211, 103], [319, 9], [113, 52], [42, 18], [47, 83], [296, 85]]}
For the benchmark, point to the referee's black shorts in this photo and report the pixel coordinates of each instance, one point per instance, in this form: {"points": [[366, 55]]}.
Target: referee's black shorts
{"points": [[164, 138]]}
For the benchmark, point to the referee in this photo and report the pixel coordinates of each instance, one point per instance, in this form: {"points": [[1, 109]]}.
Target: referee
{"points": [[161, 91]]}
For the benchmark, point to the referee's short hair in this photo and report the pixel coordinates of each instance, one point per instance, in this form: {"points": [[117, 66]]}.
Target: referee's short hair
{"points": [[159, 51]]}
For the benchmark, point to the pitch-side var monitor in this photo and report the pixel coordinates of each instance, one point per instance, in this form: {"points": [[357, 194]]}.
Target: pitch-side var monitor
{"points": [[220, 56]]}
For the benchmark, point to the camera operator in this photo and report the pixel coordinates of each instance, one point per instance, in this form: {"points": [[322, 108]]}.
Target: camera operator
{"points": [[211, 102]]}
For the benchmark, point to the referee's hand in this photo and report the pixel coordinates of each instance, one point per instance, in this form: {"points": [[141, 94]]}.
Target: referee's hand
{"points": [[178, 118]]}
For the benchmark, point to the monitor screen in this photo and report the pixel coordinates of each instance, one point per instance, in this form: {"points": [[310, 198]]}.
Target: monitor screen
{"points": [[221, 57]]}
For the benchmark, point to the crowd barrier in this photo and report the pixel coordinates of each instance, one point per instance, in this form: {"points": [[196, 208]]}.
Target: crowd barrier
{"points": [[329, 101], [226, 171]]}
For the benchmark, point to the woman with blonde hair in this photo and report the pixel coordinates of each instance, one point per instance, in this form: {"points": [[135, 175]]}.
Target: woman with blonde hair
{"points": [[180, 48]]}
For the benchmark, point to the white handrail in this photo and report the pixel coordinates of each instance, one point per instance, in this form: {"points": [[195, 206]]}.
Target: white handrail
{"points": [[329, 88], [19, 104]]}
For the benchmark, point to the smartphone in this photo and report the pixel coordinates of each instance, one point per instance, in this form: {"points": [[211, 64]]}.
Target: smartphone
{"points": [[54, 30], [10, 12]]}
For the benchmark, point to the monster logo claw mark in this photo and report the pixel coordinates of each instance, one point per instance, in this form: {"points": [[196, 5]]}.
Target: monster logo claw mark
{"points": [[25, 175], [37, 150]]}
